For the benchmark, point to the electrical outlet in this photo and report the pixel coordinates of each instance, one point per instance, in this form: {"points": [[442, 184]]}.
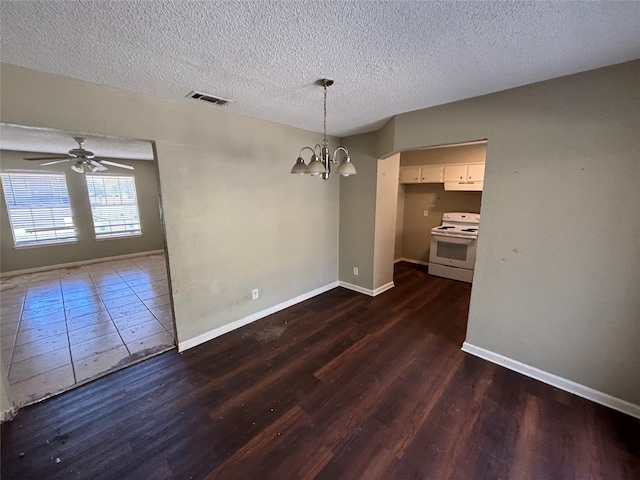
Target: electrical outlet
{"points": [[255, 294], [425, 213], [355, 270]]}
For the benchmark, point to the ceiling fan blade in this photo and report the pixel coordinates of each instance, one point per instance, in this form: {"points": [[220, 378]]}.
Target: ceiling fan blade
{"points": [[100, 167], [53, 163], [59, 157], [114, 164]]}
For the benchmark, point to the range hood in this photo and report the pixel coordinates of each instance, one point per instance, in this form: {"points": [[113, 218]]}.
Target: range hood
{"points": [[464, 186]]}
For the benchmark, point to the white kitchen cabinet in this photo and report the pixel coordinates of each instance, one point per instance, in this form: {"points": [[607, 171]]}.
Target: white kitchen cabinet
{"points": [[432, 174], [422, 174], [409, 174], [476, 173], [464, 177], [464, 173], [455, 173]]}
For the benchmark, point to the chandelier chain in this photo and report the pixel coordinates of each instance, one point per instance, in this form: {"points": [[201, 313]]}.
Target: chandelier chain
{"points": [[324, 127]]}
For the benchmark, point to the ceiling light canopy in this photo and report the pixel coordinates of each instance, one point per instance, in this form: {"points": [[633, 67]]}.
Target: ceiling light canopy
{"points": [[321, 160]]}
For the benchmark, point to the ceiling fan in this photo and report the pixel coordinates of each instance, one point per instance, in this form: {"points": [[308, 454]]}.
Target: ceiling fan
{"points": [[84, 160]]}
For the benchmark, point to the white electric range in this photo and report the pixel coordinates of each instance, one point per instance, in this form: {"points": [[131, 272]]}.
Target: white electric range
{"points": [[453, 246]]}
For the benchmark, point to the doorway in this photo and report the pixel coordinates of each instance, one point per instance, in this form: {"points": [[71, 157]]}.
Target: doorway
{"points": [[78, 305]]}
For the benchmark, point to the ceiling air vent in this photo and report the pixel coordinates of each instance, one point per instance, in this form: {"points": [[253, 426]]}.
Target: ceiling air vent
{"points": [[205, 97]]}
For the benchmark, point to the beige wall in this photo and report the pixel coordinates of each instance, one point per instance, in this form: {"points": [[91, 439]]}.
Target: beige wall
{"points": [[87, 247], [414, 229], [558, 265], [358, 212], [473, 153], [235, 218]]}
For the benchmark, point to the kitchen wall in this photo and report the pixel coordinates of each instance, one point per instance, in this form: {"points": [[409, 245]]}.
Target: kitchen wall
{"points": [[235, 218], [558, 260], [415, 229], [87, 247]]}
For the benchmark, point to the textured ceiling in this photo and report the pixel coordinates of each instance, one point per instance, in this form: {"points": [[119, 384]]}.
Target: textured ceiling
{"points": [[385, 57], [44, 140]]}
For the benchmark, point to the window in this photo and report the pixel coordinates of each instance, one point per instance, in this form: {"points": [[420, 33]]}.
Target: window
{"points": [[114, 205], [38, 207]]}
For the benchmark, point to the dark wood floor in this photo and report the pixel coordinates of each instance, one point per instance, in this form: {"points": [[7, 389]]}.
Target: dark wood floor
{"points": [[341, 386]]}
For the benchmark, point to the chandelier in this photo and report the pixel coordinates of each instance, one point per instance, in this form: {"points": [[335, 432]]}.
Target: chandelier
{"points": [[321, 159]]}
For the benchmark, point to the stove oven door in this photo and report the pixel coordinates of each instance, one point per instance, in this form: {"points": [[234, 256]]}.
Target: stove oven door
{"points": [[459, 252]]}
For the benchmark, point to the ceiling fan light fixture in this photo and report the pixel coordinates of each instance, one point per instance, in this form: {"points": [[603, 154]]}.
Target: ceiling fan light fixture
{"points": [[321, 164], [78, 167]]}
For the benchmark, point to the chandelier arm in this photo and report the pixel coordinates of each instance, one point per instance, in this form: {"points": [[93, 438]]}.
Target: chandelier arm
{"points": [[335, 154], [306, 148]]}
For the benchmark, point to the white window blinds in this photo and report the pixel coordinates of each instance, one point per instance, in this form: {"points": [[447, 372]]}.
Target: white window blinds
{"points": [[114, 205], [38, 207]]}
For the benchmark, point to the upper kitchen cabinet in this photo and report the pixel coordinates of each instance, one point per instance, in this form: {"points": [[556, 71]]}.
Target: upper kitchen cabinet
{"points": [[422, 174], [410, 174], [432, 174], [464, 177]]}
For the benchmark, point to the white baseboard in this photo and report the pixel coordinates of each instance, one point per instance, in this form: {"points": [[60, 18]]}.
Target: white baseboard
{"points": [[79, 263], [367, 291], [409, 260], [554, 380], [216, 332], [8, 414], [383, 288]]}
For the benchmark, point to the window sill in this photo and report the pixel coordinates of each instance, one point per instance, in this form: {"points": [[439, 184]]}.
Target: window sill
{"points": [[40, 245], [119, 237]]}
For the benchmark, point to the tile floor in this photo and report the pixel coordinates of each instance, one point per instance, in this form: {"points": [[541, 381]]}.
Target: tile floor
{"points": [[62, 327]]}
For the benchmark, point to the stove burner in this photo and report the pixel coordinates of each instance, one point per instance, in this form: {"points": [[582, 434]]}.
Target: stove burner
{"points": [[470, 230]]}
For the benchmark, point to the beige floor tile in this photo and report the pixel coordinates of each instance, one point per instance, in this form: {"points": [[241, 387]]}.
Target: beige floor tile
{"points": [[132, 320], [33, 349], [10, 318], [38, 309], [7, 340], [157, 301], [99, 364], [128, 310], [42, 385], [113, 295], [7, 355], [85, 334], [67, 302], [9, 329], [70, 285], [113, 287], [95, 346], [28, 335], [167, 323], [37, 322], [85, 310], [162, 311], [88, 320], [70, 304], [39, 293], [79, 294], [51, 275], [17, 282], [142, 330], [31, 367], [121, 301], [147, 291], [108, 282], [151, 344]]}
